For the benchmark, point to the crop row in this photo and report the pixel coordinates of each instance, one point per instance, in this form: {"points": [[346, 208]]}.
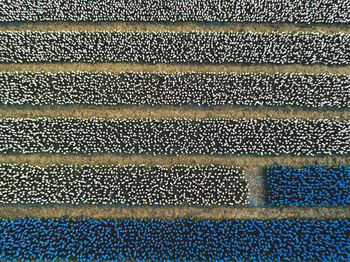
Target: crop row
{"points": [[278, 11], [172, 47], [123, 185], [311, 185], [175, 240], [201, 89], [175, 136]]}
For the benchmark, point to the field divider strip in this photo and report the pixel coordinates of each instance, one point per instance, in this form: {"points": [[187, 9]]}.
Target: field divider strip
{"points": [[247, 162], [136, 112], [175, 212], [175, 27], [172, 68]]}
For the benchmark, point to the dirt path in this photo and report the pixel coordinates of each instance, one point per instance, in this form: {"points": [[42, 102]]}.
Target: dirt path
{"points": [[176, 212], [251, 163], [257, 186], [175, 27], [173, 68], [172, 112]]}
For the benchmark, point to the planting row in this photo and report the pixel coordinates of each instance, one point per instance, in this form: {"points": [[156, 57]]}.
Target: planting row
{"points": [[202, 89], [125, 185], [311, 185], [176, 185], [172, 47], [176, 240], [298, 11], [175, 136]]}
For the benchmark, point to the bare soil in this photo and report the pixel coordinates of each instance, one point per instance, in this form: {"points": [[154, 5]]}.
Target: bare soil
{"points": [[173, 68], [176, 212], [176, 27], [173, 112]]}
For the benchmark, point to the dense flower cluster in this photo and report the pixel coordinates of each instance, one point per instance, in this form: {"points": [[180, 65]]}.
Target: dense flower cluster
{"points": [[277, 11], [175, 240], [173, 47], [201, 89], [126, 185], [312, 185], [175, 136]]}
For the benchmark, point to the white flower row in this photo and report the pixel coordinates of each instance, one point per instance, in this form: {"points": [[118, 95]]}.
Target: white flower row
{"points": [[175, 136], [209, 89], [126, 185], [277, 11], [172, 47]]}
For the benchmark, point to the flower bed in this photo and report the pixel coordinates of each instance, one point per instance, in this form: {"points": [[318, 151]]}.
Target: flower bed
{"points": [[277, 11], [312, 185], [172, 47], [197, 89], [185, 240], [175, 136], [125, 185]]}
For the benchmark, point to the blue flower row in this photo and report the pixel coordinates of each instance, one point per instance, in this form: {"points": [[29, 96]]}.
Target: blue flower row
{"points": [[311, 185], [175, 136], [276, 11], [174, 47], [185, 240], [199, 89]]}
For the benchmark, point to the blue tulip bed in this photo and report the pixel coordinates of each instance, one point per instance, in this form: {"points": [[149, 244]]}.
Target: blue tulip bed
{"points": [[176, 240], [315, 185]]}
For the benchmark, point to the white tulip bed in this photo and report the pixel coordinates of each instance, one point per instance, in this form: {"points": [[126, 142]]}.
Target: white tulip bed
{"points": [[175, 136], [172, 47], [122, 185], [277, 11], [196, 89]]}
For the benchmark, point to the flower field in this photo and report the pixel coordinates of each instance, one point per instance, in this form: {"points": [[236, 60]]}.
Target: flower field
{"points": [[123, 185], [174, 130], [187, 89], [311, 185], [171, 47], [189, 240], [325, 11], [175, 136]]}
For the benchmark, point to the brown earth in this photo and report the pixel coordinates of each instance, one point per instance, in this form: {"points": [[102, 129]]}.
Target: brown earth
{"points": [[179, 212], [176, 27], [253, 163], [172, 112], [173, 68]]}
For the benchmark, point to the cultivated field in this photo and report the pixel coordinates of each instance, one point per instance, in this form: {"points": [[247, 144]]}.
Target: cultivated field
{"points": [[221, 94]]}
